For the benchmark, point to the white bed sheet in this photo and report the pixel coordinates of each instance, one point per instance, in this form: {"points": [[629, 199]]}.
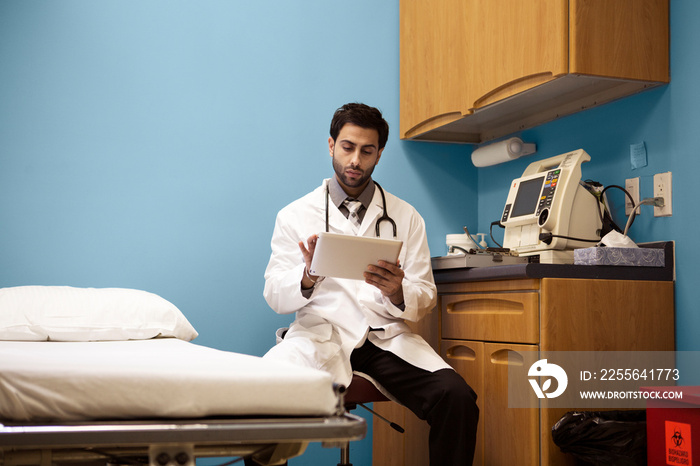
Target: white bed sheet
{"points": [[74, 381]]}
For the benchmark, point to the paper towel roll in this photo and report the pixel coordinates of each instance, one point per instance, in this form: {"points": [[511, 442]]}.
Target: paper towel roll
{"points": [[502, 151]]}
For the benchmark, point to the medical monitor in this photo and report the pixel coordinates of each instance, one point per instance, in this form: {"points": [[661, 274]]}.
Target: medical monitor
{"points": [[548, 209], [527, 197]]}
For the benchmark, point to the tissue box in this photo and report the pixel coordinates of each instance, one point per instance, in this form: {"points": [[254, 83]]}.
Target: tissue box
{"points": [[636, 257]]}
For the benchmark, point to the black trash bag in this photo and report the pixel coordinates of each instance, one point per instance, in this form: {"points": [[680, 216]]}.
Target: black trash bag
{"points": [[603, 437]]}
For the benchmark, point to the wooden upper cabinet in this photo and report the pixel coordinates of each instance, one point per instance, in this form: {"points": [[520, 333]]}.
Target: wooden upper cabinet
{"points": [[512, 49], [476, 70]]}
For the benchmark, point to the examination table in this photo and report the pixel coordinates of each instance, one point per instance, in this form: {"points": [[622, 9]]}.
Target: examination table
{"points": [[158, 398]]}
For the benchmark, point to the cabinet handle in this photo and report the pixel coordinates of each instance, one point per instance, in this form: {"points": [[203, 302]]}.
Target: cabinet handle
{"points": [[486, 306], [461, 352], [507, 357], [520, 84], [432, 123]]}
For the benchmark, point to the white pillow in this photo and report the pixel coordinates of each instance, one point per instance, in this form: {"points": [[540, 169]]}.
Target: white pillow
{"points": [[63, 313]]}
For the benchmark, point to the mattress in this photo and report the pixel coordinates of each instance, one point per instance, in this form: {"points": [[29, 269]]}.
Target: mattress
{"points": [[157, 378]]}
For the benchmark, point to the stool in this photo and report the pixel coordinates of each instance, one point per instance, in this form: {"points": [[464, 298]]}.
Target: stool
{"points": [[359, 392]]}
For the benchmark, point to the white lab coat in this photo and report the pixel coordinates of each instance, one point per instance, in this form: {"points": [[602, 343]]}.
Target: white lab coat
{"points": [[337, 317]]}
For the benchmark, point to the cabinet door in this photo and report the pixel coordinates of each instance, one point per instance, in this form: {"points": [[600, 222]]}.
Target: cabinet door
{"points": [[457, 55], [467, 358], [625, 39], [598, 315], [434, 50], [506, 436], [517, 44], [511, 435]]}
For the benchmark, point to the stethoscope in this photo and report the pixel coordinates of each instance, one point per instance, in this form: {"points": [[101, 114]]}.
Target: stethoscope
{"points": [[383, 218]]}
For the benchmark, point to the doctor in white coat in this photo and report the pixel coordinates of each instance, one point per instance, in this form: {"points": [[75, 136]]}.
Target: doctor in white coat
{"points": [[344, 325]]}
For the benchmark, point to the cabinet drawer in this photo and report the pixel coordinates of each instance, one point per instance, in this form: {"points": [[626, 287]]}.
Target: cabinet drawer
{"points": [[511, 317]]}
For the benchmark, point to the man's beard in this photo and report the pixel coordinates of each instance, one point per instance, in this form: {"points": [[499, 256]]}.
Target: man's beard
{"points": [[340, 173]]}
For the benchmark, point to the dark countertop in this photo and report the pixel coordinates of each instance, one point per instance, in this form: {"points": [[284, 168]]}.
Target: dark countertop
{"points": [[534, 270]]}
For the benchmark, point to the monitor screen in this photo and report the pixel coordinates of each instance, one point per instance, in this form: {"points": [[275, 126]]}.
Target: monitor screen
{"points": [[527, 198]]}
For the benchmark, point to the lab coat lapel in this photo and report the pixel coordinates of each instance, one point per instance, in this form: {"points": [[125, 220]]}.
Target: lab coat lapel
{"points": [[338, 222]]}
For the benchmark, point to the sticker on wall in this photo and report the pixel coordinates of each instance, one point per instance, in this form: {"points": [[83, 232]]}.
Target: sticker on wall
{"points": [[678, 444], [638, 155]]}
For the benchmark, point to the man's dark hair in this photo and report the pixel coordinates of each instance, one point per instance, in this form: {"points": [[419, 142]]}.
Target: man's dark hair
{"points": [[363, 116]]}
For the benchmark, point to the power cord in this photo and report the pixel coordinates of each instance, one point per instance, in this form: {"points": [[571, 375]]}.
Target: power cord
{"points": [[135, 460], [605, 207], [497, 222], [656, 201], [547, 238]]}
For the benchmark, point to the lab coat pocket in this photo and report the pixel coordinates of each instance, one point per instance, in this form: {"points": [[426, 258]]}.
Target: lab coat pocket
{"points": [[373, 305]]}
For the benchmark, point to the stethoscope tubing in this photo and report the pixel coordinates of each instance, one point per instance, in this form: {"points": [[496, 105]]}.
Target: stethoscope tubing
{"points": [[384, 218]]}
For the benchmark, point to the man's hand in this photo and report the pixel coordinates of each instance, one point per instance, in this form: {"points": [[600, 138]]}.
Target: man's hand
{"points": [[308, 280], [388, 278]]}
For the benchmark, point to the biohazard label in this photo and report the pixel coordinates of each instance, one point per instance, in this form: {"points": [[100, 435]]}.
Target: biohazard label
{"points": [[678, 444]]}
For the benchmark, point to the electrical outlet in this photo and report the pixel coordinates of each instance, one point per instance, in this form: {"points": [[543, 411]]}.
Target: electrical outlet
{"points": [[662, 188], [632, 187]]}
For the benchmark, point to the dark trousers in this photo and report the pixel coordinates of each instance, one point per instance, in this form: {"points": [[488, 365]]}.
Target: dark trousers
{"points": [[442, 398]]}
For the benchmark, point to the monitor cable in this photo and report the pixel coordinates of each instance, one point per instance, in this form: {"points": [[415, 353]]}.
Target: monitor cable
{"points": [[546, 238], [497, 222], [606, 211]]}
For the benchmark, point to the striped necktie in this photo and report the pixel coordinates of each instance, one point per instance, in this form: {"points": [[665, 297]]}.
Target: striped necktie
{"points": [[353, 206]]}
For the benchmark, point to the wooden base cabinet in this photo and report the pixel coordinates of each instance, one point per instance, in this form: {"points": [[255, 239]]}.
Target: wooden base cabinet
{"points": [[505, 436], [486, 327]]}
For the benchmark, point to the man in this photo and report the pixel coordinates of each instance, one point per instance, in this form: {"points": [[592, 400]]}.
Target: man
{"points": [[344, 325]]}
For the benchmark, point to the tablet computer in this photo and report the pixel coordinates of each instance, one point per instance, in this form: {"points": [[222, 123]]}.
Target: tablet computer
{"points": [[347, 256]]}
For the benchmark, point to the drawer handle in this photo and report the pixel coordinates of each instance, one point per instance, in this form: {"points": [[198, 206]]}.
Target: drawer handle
{"points": [[432, 123], [486, 306], [505, 89], [507, 357], [461, 352]]}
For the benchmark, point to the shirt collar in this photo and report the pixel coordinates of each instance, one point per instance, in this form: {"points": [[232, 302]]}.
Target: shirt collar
{"points": [[338, 195]]}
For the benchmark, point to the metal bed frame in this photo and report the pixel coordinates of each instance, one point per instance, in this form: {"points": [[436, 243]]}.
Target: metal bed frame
{"points": [[265, 440]]}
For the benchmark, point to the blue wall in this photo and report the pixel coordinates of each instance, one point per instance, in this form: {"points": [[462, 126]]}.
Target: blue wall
{"points": [[149, 144]]}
